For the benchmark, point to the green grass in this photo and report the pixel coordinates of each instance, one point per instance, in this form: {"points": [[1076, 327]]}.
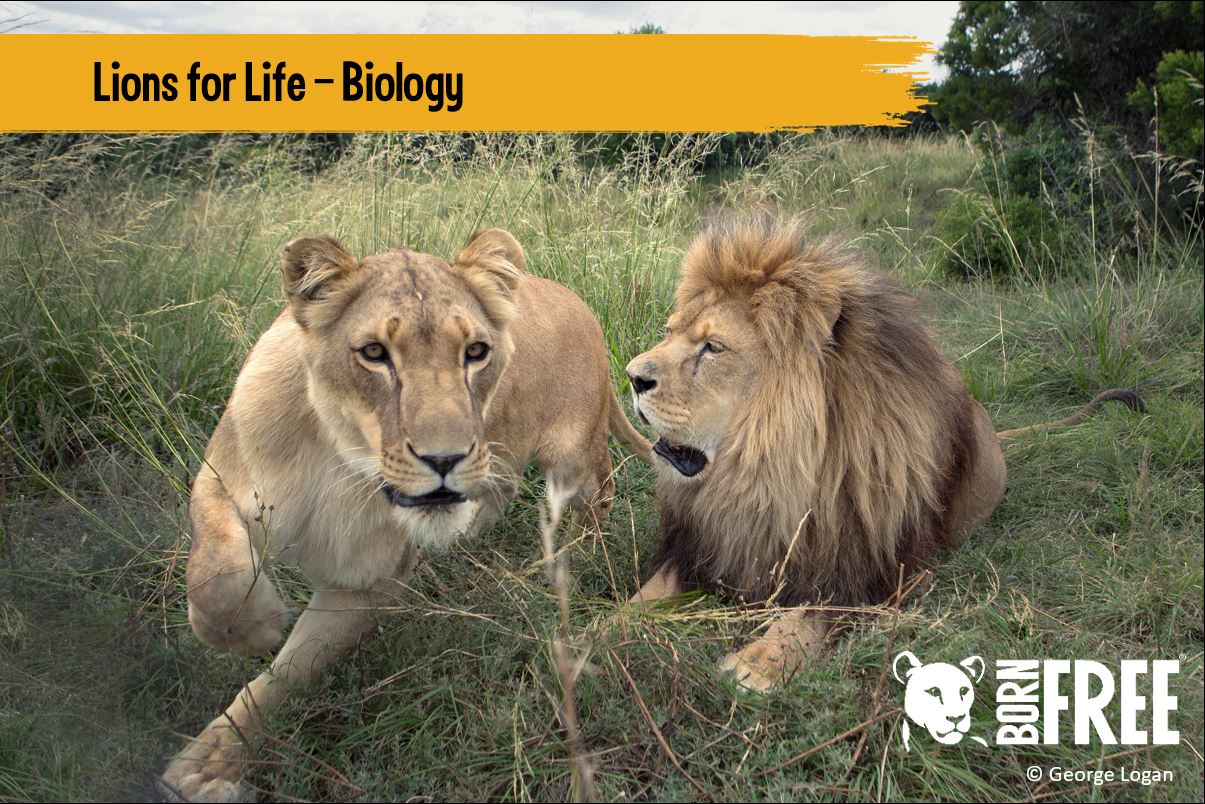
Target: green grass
{"points": [[137, 273]]}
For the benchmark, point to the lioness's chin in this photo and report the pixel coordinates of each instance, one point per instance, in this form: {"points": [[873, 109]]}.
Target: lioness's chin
{"points": [[437, 527], [954, 733], [684, 459]]}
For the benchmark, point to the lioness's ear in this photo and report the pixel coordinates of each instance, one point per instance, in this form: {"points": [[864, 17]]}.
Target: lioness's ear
{"points": [[975, 665], [312, 266], [913, 663], [492, 263]]}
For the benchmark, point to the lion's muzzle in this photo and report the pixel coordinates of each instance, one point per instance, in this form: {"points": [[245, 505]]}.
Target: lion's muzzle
{"points": [[686, 459]]}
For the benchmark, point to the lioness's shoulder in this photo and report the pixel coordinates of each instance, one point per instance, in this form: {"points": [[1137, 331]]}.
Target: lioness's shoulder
{"points": [[273, 359], [545, 300], [269, 406]]}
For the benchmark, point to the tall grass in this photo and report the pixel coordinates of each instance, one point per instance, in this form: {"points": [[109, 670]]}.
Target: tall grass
{"points": [[138, 271]]}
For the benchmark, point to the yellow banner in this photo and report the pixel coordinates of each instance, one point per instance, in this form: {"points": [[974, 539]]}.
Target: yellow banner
{"points": [[479, 82]]}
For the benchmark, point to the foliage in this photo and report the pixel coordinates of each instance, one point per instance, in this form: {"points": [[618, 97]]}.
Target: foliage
{"points": [[1037, 201], [982, 50], [1179, 107], [1017, 62]]}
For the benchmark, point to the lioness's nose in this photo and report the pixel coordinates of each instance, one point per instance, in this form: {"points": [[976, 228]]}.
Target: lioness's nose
{"points": [[442, 464], [642, 384], [640, 372]]}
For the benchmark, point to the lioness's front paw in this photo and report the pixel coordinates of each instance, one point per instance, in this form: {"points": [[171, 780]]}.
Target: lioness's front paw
{"points": [[208, 769], [254, 631], [757, 668], [198, 787]]}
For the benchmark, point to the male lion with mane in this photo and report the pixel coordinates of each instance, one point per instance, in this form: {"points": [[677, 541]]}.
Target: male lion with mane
{"points": [[390, 408], [813, 436]]}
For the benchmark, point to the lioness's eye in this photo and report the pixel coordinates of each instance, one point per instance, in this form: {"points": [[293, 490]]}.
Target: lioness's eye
{"points": [[476, 351], [715, 347], [373, 352]]}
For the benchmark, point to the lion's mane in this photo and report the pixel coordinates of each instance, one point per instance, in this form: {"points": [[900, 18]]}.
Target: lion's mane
{"points": [[842, 464]]}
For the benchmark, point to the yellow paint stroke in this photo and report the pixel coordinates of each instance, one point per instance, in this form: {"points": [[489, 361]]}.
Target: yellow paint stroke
{"points": [[509, 82]]}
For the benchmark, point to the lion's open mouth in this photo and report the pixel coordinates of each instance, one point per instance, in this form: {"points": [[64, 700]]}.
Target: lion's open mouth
{"points": [[687, 460], [441, 496]]}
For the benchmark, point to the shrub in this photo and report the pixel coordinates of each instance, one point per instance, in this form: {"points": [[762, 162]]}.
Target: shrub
{"points": [[1178, 84], [983, 235], [1009, 220]]}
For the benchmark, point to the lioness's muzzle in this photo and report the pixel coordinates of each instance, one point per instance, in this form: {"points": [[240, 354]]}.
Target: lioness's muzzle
{"points": [[440, 496]]}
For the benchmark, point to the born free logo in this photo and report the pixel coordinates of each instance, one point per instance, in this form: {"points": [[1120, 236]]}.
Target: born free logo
{"points": [[1032, 696]]}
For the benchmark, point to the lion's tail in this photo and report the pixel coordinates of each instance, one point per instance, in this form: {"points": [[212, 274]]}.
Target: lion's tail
{"points": [[1123, 395], [626, 434]]}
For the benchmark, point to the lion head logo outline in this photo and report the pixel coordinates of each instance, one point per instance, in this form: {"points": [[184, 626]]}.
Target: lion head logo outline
{"points": [[938, 696]]}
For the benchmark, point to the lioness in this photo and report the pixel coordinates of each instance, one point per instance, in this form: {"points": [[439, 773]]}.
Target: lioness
{"points": [[813, 436], [390, 408]]}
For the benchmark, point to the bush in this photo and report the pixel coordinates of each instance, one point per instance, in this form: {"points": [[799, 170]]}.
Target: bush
{"points": [[1178, 83], [1009, 221], [1061, 201], [984, 236]]}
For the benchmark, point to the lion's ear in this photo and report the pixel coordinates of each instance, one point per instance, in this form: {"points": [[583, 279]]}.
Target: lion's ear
{"points": [[913, 663], [492, 263], [797, 310], [827, 316], [312, 266], [975, 665]]}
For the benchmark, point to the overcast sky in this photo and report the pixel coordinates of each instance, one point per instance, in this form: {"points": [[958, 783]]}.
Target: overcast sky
{"points": [[929, 21]]}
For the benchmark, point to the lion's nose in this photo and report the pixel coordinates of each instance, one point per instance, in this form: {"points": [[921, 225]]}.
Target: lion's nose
{"points": [[442, 464], [642, 384]]}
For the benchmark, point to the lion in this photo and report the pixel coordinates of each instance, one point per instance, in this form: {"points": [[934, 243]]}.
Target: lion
{"points": [[388, 410], [813, 438]]}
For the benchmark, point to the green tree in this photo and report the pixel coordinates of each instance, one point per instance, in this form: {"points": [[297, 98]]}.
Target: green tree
{"points": [[1014, 62], [1090, 54], [1177, 88], [982, 52]]}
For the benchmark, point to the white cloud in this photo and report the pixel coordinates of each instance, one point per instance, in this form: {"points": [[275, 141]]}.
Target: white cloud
{"points": [[929, 21]]}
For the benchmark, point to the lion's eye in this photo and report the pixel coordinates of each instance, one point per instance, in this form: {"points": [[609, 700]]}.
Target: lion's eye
{"points": [[475, 352], [715, 347], [373, 352]]}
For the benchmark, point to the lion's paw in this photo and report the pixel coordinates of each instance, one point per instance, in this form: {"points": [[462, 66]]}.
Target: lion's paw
{"points": [[755, 668], [208, 769]]}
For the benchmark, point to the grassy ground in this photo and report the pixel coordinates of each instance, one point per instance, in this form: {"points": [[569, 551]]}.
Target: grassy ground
{"points": [[135, 279]]}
